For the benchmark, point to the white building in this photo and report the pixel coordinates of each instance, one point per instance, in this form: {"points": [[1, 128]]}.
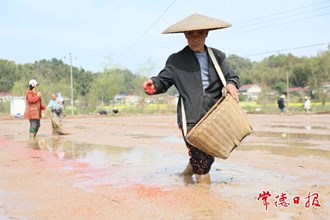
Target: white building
{"points": [[250, 91], [17, 106]]}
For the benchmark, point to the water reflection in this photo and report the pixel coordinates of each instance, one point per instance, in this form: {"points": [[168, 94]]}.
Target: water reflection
{"points": [[302, 136], [119, 165], [154, 165], [306, 127], [96, 155], [287, 151], [172, 139], [289, 143]]}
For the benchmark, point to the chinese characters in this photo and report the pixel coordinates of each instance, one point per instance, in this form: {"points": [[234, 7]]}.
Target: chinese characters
{"points": [[311, 200]]}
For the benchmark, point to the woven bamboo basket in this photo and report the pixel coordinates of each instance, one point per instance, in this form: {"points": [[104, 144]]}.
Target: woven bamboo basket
{"points": [[221, 129]]}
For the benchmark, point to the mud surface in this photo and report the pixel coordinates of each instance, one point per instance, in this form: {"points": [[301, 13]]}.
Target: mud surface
{"points": [[120, 167]]}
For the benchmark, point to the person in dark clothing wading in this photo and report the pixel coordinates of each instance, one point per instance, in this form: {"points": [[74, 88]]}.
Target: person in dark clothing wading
{"points": [[192, 73]]}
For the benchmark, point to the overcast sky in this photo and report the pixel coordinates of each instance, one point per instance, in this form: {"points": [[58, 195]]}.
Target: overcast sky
{"points": [[127, 33]]}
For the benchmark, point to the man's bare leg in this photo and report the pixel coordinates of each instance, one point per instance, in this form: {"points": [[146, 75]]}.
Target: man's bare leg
{"points": [[205, 178], [188, 171]]}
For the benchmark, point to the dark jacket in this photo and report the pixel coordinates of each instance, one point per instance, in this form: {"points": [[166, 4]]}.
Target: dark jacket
{"points": [[280, 103], [182, 70]]}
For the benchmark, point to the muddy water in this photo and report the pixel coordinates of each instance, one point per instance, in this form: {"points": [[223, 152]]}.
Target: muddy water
{"points": [[118, 166], [283, 154], [290, 144], [152, 165]]}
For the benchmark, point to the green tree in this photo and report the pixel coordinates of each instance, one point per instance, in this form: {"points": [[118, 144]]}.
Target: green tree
{"points": [[105, 86], [242, 68], [8, 75]]}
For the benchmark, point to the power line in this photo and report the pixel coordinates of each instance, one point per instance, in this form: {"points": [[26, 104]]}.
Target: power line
{"points": [[278, 24], [245, 31], [287, 16], [281, 50], [265, 21], [282, 12], [157, 45], [137, 45], [172, 42], [144, 33]]}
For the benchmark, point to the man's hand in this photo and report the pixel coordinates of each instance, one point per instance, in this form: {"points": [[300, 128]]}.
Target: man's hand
{"points": [[232, 91], [149, 87]]}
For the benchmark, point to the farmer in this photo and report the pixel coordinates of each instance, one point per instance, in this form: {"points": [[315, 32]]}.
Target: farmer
{"points": [[192, 73], [55, 106], [307, 104], [280, 104], [33, 107]]}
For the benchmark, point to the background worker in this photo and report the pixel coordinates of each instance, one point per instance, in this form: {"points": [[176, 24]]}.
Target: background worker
{"points": [[55, 107], [280, 104], [307, 104], [33, 108]]}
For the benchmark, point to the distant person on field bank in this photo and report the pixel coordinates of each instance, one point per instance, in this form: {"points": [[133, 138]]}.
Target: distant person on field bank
{"points": [[307, 104], [193, 74], [280, 103], [33, 108]]}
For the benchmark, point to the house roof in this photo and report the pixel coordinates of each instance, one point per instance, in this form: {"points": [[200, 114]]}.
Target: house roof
{"points": [[325, 84], [247, 87], [4, 94], [298, 89]]}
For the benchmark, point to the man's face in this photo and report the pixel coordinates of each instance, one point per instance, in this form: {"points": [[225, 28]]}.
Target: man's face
{"points": [[196, 40]]}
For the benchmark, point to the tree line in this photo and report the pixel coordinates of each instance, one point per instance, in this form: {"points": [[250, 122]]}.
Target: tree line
{"points": [[273, 72], [93, 87]]}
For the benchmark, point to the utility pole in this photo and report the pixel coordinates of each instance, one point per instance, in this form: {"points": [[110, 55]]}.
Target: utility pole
{"points": [[71, 84], [287, 89]]}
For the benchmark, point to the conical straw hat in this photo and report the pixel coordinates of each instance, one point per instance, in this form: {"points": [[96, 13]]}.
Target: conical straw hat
{"points": [[196, 22]]}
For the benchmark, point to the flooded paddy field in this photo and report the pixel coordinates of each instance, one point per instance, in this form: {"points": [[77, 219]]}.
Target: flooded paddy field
{"points": [[127, 167]]}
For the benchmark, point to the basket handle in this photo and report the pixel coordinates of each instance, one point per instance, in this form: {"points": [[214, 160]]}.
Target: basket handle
{"points": [[217, 67], [222, 78]]}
